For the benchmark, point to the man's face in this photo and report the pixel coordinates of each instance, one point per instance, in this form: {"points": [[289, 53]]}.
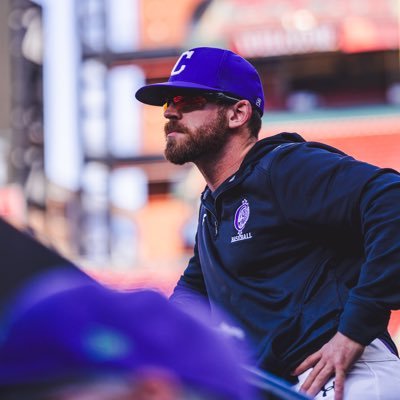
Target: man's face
{"points": [[206, 135]]}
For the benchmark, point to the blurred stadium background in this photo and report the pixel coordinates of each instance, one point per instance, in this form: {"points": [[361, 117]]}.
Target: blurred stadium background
{"points": [[82, 160]]}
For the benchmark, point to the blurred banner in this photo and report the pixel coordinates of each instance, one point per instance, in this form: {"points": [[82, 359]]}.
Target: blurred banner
{"points": [[166, 28], [269, 28]]}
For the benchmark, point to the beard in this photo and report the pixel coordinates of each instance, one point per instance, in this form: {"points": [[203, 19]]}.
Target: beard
{"points": [[206, 140]]}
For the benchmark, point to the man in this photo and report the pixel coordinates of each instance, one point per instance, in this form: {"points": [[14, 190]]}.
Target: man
{"points": [[298, 241]]}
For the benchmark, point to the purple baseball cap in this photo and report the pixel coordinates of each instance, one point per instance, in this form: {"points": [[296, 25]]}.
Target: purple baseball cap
{"points": [[63, 327], [208, 69]]}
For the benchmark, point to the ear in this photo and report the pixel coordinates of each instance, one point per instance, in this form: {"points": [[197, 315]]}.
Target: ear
{"points": [[239, 114]]}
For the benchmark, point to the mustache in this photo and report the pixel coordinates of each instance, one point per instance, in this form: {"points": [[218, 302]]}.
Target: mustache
{"points": [[174, 126]]}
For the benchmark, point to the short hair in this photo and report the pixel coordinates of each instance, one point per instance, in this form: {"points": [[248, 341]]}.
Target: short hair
{"points": [[254, 123]]}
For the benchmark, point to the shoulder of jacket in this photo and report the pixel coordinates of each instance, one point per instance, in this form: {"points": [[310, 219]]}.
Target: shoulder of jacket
{"points": [[268, 158]]}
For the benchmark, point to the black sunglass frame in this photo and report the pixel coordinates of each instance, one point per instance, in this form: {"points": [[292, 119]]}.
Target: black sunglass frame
{"points": [[213, 96], [222, 97]]}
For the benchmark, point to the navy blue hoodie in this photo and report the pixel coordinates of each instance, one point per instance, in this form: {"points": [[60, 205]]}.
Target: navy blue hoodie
{"points": [[303, 241]]}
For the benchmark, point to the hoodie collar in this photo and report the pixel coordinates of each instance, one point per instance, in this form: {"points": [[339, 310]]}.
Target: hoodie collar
{"points": [[261, 148]]}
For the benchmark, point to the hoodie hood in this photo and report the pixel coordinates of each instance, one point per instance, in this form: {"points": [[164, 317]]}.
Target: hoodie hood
{"points": [[258, 151], [264, 146]]}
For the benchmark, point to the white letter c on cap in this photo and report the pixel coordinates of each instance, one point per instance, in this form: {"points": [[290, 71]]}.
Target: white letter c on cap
{"points": [[186, 54]]}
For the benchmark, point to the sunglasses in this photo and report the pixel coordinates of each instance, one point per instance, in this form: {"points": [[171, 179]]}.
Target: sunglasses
{"points": [[197, 102]]}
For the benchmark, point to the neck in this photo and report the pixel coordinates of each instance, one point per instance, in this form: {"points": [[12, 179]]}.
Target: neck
{"points": [[216, 168]]}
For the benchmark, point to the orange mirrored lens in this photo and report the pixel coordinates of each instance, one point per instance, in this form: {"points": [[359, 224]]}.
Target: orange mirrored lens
{"points": [[186, 103]]}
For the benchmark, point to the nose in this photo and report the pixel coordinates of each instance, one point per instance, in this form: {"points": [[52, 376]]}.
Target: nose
{"points": [[172, 112]]}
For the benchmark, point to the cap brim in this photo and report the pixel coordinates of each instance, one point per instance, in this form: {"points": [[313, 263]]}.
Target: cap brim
{"points": [[157, 93]]}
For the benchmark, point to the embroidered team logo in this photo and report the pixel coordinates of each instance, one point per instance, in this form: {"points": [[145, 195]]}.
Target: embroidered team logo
{"points": [[176, 71], [242, 215]]}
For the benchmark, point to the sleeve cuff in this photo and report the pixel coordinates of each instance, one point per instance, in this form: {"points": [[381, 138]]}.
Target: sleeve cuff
{"points": [[363, 323]]}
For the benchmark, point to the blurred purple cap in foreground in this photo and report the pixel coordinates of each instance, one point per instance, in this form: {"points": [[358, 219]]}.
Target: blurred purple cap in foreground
{"points": [[64, 326]]}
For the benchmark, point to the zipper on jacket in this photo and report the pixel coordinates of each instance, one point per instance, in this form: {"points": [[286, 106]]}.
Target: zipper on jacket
{"points": [[216, 227], [214, 222], [208, 202]]}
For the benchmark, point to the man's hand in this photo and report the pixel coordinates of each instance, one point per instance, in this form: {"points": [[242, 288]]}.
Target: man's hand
{"points": [[334, 359]]}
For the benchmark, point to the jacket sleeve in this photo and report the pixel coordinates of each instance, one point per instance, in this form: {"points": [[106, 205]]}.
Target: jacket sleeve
{"points": [[367, 311], [190, 291], [324, 193]]}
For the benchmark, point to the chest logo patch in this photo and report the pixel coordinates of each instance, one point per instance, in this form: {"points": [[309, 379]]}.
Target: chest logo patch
{"points": [[242, 215]]}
